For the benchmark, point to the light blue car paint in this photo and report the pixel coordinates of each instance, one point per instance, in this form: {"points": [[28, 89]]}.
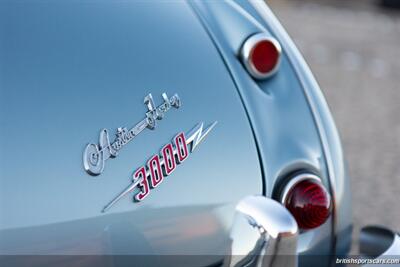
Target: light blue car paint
{"points": [[69, 69]]}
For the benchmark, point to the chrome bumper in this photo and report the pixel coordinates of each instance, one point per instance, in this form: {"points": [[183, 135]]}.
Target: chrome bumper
{"points": [[264, 234], [380, 245]]}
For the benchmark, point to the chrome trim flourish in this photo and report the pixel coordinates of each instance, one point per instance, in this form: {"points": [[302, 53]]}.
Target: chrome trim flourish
{"points": [[160, 165], [95, 155]]}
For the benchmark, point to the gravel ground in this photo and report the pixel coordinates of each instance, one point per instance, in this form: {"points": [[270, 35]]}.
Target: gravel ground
{"points": [[353, 48]]}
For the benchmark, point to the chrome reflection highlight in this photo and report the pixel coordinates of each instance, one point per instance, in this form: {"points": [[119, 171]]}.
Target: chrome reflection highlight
{"points": [[95, 155], [263, 234]]}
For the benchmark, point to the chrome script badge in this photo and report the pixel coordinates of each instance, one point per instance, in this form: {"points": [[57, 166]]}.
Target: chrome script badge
{"points": [[95, 155], [160, 165]]}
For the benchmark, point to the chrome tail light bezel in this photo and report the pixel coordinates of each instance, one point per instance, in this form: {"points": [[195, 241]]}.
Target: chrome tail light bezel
{"points": [[292, 183], [247, 50]]}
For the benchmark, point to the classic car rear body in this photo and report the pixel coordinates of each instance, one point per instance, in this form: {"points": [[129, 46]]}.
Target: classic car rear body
{"points": [[70, 69]]}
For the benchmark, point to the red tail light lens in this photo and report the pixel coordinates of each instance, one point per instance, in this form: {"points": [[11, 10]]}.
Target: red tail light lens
{"points": [[261, 55], [309, 203]]}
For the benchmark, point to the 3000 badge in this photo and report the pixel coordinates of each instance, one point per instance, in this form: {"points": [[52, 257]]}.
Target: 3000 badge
{"points": [[163, 164]]}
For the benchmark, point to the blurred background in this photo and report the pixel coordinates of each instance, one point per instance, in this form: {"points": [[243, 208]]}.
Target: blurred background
{"points": [[353, 49]]}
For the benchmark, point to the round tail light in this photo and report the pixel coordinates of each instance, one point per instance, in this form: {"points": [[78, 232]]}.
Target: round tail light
{"points": [[261, 54], [308, 201]]}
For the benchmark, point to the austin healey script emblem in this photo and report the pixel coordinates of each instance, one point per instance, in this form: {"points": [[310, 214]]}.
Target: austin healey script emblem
{"points": [[95, 155]]}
